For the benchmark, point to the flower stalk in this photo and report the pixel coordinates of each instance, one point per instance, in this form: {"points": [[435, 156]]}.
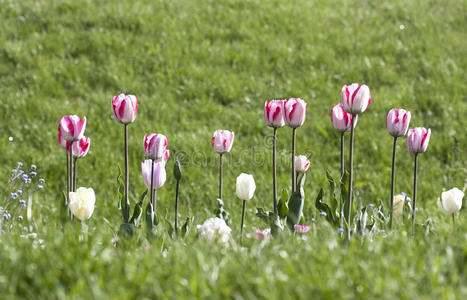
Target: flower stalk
{"points": [[274, 171], [349, 213], [393, 175], [294, 183], [127, 175], [414, 192]]}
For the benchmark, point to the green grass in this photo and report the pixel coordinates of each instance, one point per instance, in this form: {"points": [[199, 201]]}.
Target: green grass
{"points": [[197, 66]]}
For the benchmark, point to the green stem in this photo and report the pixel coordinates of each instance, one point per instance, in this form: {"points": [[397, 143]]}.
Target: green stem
{"points": [[274, 172], [75, 167], [127, 175], [220, 176], [414, 193], [294, 183], [393, 175], [349, 213], [152, 186], [176, 206], [243, 220]]}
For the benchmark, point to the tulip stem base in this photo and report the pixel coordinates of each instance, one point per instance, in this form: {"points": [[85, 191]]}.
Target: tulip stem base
{"points": [[153, 203], [243, 221], [75, 167], [393, 176], [294, 183], [176, 207], [220, 176], [274, 190], [414, 192], [349, 213]]}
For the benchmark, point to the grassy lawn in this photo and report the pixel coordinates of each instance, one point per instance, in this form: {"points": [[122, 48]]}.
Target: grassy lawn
{"points": [[197, 66]]}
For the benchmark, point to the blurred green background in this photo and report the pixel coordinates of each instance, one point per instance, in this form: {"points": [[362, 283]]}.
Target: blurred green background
{"points": [[197, 66]]}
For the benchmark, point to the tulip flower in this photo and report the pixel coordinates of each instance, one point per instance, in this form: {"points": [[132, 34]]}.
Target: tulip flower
{"points": [[215, 229], [221, 142], [80, 149], [274, 117], [342, 121], [451, 202], [301, 163], [417, 142], [245, 190], [155, 181], [355, 100], [397, 123], [154, 146], [82, 203], [72, 127], [178, 177], [294, 116], [125, 108]]}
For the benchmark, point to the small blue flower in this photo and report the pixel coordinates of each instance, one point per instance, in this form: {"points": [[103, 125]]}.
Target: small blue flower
{"points": [[407, 199], [20, 192], [22, 202], [40, 187], [2, 231], [33, 174], [404, 194], [6, 216], [324, 214], [20, 164], [371, 205], [1, 208], [25, 177], [312, 220], [341, 230], [20, 218], [14, 171], [33, 167], [25, 228], [41, 180], [20, 172], [383, 231], [29, 180], [14, 195]]}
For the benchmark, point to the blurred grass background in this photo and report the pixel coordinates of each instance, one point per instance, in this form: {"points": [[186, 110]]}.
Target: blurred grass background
{"points": [[197, 66]]}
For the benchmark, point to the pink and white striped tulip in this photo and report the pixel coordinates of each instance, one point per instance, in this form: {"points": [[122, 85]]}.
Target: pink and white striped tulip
{"points": [[159, 173], [71, 128], [125, 108], [418, 139], [155, 146], [80, 148], [397, 122], [222, 141], [166, 156], [61, 140], [355, 98], [274, 113], [301, 163], [340, 119], [294, 112]]}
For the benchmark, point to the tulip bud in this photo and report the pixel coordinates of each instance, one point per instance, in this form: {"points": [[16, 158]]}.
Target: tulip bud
{"points": [[159, 174], [71, 128], [80, 148], [125, 108], [245, 186], [177, 170], [301, 163], [155, 146], [451, 201], [340, 119], [82, 203], [294, 112], [355, 98], [398, 205], [274, 113], [397, 122], [222, 141], [418, 139]]}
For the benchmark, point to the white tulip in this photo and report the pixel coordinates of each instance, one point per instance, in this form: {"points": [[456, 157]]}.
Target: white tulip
{"points": [[398, 205], [451, 201], [301, 163], [82, 203], [245, 186], [215, 228]]}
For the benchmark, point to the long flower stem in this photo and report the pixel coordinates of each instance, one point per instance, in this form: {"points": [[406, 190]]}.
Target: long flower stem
{"points": [[176, 207], [393, 176], [220, 176], [274, 172], [342, 155], [243, 220], [294, 183], [75, 167], [67, 174], [70, 158], [349, 213], [127, 175], [414, 193], [152, 186], [154, 199]]}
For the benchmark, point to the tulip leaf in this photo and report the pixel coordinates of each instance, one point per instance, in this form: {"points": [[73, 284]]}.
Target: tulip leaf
{"points": [[361, 222], [150, 217], [221, 212], [138, 210], [333, 200], [283, 208], [186, 227], [121, 196], [296, 203], [344, 187], [323, 207]]}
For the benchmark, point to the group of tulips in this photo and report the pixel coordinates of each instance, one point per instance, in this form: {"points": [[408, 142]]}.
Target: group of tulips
{"points": [[356, 99]]}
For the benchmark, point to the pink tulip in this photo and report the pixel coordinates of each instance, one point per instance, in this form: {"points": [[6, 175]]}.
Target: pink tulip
{"points": [[274, 113], [125, 108], [355, 98], [155, 145], [261, 234], [397, 122], [340, 119], [81, 148], [222, 141], [71, 128], [159, 173], [301, 163], [294, 112], [302, 228], [61, 140], [166, 156], [418, 139]]}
